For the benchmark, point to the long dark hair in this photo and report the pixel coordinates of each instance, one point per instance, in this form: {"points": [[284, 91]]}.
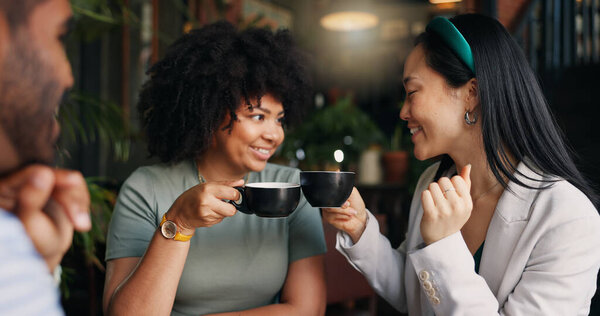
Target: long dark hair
{"points": [[515, 116]]}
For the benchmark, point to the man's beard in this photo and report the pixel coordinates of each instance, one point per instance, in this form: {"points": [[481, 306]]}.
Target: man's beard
{"points": [[29, 96]]}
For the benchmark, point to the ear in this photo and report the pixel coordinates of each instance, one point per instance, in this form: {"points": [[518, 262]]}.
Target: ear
{"points": [[472, 96]]}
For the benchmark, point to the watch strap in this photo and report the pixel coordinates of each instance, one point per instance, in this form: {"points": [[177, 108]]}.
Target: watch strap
{"points": [[178, 236]]}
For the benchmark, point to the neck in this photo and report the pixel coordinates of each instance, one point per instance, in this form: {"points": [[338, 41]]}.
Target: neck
{"points": [[217, 169], [483, 180]]}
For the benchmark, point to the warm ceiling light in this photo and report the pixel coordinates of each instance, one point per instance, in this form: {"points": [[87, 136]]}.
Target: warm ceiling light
{"points": [[443, 1], [349, 21]]}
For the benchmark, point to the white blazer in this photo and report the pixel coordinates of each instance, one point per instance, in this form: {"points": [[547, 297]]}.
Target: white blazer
{"points": [[541, 257]]}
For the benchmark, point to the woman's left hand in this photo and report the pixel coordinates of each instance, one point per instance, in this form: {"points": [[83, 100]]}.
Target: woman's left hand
{"points": [[447, 206]]}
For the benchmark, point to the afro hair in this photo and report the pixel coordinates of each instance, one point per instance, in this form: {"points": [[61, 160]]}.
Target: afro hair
{"points": [[207, 74]]}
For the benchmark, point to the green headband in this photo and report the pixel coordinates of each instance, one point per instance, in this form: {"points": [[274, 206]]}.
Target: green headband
{"points": [[453, 38]]}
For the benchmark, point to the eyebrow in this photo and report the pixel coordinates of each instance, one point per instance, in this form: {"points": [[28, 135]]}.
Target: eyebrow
{"points": [[407, 79], [267, 111]]}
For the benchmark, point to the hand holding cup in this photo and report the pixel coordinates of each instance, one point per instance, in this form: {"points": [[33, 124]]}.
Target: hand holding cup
{"points": [[351, 217], [204, 205]]}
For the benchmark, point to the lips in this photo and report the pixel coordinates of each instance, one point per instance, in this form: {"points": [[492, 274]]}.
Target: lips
{"points": [[414, 130], [262, 153]]}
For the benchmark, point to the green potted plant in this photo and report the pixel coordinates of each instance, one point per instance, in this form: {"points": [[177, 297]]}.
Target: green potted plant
{"points": [[332, 137]]}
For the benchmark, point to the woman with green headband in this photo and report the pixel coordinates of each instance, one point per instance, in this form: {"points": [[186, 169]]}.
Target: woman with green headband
{"points": [[504, 223]]}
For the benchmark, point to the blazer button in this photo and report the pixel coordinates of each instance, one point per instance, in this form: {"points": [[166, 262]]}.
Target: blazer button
{"points": [[435, 300], [430, 292], [423, 275], [427, 285]]}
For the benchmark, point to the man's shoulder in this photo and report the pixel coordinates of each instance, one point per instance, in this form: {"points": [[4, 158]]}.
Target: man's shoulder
{"points": [[24, 277]]}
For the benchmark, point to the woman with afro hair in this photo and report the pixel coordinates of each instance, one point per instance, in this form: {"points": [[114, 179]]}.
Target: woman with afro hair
{"points": [[214, 111]]}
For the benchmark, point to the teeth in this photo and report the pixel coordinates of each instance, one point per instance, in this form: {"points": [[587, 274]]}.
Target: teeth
{"points": [[260, 150], [414, 130]]}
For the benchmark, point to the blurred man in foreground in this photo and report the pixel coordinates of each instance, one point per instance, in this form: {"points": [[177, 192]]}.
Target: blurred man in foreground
{"points": [[39, 205]]}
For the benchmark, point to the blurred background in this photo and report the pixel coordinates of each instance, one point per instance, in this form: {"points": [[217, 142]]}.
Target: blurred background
{"points": [[356, 51]]}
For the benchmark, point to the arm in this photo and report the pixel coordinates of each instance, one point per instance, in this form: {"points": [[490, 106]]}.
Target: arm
{"points": [[369, 252], [559, 278], [303, 292], [556, 275], [373, 256], [156, 275], [158, 271], [26, 287]]}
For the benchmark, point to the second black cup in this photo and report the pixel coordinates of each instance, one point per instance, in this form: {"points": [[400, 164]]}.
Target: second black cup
{"points": [[268, 199], [326, 188]]}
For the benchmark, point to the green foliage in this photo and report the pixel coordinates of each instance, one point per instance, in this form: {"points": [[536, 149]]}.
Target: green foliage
{"points": [[92, 18], [90, 119], [102, 203], [328, 129]]}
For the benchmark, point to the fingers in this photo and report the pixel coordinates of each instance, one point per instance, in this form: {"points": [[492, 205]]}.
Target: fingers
{"points": [[35, 193], [461, 186], [465, 173], [236, 183], [10, 185], [72, 194], [223, 192], [352, 206], [436, 193], [345, 209], [427, 201], [62, 223]]}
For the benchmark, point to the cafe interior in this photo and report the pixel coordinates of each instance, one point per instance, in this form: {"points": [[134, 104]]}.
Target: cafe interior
{"points": [[356, 51]]}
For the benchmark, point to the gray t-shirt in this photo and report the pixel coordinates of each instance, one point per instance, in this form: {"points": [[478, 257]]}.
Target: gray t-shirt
{"points": [[238, 264]]}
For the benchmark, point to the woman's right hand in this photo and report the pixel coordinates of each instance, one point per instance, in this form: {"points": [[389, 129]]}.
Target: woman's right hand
{"points": [[203, 205], [351, 217]]}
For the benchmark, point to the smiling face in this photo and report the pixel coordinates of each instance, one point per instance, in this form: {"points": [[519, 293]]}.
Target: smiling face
{"points": [[433, 109], [253, 138], [35, 74]]}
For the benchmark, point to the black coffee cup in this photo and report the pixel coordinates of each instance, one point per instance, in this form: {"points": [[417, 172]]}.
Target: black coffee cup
{"points": [[326, 188], [268, 199]]}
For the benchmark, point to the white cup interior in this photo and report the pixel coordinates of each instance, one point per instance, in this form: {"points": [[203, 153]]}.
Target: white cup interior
{"points": [[272, 185]]}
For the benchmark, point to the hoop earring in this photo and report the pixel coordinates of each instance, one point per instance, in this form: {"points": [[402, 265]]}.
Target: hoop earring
{"points": [[470, 121]]}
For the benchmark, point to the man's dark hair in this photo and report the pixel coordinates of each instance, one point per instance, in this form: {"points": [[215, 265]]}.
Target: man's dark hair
{"points": [[17, 12], [207, 74]]}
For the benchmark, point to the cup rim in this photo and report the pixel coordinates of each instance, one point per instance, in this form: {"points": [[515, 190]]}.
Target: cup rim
{"points": [[325, 171], [272, 185]]}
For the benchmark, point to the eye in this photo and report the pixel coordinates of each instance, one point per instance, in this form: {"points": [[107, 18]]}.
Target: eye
{"points": [[257, 117], [281, 120], [411, 92]]}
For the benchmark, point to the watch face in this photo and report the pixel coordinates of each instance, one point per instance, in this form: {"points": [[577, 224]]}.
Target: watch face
{"points": [[168, 229]]}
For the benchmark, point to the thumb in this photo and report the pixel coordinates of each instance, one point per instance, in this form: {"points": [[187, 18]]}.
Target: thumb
{"points": [[465, 173], [35, 193]]}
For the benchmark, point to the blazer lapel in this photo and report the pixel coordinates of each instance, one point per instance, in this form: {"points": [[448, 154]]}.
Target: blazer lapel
{"points": [[507, 224]]}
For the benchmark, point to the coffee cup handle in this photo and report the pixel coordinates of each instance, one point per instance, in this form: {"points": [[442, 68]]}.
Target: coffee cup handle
{"points": [[241, 204]]}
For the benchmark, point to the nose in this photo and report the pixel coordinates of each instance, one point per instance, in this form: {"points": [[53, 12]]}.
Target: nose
{"points": [[405, 112], [274, 133], [65, 74]]}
